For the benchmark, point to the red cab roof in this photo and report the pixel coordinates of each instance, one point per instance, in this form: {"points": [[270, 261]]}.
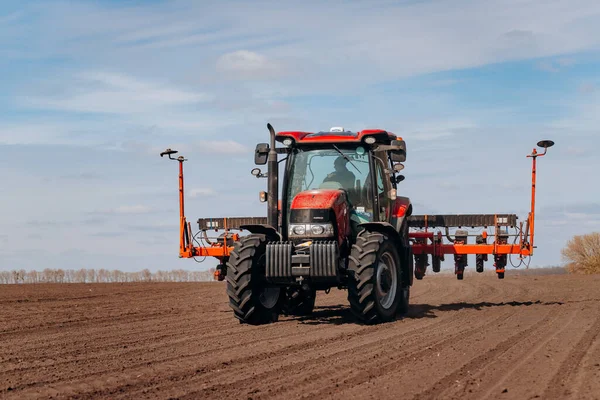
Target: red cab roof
{"points": [[335, 137]]}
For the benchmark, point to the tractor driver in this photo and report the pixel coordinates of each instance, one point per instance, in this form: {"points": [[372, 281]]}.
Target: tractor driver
{"points": [[341, 174]]}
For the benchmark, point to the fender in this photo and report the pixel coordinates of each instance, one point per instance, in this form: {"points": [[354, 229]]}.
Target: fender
{"points": [[263, 229], [382, 227], [402, 209]]}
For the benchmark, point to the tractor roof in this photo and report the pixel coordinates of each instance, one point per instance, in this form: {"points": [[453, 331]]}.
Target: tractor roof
{"points": [[380, 136]]}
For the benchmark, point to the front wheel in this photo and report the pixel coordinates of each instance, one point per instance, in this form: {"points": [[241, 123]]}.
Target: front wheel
{"points": [[252, 300], [375, 288]]}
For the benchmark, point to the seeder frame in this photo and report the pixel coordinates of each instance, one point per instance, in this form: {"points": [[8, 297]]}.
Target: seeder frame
{"points": [[423, 242]]}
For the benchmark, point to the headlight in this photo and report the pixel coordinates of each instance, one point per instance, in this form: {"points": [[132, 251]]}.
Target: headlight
{"points": [[369, 140], [317, 229], [288, 142], [311, 230], [299, 230]]}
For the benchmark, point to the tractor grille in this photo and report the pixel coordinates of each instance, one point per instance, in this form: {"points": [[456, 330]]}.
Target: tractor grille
{"points": [[283, 267], [323, 260], [279, 260]]}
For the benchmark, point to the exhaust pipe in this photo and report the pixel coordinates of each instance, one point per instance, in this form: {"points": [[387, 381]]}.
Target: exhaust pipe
{"points": [[273, 178]]}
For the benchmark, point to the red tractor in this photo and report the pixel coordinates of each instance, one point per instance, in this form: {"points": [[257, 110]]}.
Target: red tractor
{"points": [[339, 223]]}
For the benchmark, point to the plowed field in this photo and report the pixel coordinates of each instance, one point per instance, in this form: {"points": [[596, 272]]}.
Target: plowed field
{"points": [[521, 338]]}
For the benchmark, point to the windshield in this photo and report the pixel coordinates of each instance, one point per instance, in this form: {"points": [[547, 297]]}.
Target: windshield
{"points": [[331, 168]]}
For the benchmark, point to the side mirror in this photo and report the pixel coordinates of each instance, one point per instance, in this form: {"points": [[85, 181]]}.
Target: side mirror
{"points": [[399, 153], [261, 153], [398, 156], [400, 144], [400, 178]]}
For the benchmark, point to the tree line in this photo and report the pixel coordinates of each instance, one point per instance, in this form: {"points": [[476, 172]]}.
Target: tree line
{"points": [[83, 275]]}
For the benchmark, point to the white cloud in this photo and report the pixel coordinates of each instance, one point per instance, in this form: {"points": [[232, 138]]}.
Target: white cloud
{"points": [[30, 133], [582, 116], [576, 151], [128, 209], [202, 192], [555, 65], [438, 129], [220, 147], [102, 92], [365, 41], [247, 64], [587, 87], [10, 18], [216, 147]]}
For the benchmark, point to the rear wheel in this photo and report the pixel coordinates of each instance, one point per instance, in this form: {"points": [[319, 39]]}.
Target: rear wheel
{"points": [[409, 269], [404, 300], [375, 285], [252, 300]]}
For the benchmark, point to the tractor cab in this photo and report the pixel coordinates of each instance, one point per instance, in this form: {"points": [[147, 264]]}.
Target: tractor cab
{"points": [[329, 186], [335, 181]]}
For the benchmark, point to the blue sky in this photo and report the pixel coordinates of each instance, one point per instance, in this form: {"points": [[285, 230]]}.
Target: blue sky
{"points": [[92, 91]]}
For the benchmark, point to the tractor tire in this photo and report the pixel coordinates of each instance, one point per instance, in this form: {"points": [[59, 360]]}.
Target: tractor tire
{"points": [[404, 301], [375, 281], [299, 302], [251, 300], [409, 264], [500, 275]]}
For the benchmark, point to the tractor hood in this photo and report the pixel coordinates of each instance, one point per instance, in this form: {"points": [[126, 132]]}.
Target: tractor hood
{"points": [[318, 199], [322, 206]]}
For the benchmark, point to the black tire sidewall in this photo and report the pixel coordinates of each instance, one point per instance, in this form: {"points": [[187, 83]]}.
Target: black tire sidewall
{"points": [[387, 246], [252, 281]]}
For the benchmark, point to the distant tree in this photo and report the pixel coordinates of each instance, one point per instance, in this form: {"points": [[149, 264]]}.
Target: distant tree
{"points": [[60, 275], [582, 253], [146, 275], [5, 277], [91, 275], [69, 276], [48, 275], [32, 277]]}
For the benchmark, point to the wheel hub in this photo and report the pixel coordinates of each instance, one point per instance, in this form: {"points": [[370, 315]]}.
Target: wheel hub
{"points": [[386, 281], [269, 297]]}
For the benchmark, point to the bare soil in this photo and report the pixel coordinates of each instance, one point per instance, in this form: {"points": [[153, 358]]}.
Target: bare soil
{"points": [[524, 337]]}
